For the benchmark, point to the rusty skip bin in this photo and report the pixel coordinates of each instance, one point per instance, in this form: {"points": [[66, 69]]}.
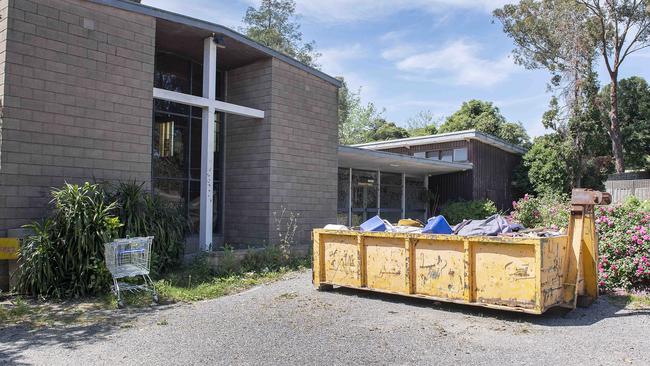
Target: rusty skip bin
{"points": [[521, 274]]}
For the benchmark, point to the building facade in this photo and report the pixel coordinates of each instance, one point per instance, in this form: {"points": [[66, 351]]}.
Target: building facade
{"points": [[492, 161], [111, 90]]}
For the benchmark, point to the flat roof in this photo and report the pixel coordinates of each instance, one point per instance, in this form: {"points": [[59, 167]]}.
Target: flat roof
{"points": [[215, 28], [445, 137], [365, 159]]}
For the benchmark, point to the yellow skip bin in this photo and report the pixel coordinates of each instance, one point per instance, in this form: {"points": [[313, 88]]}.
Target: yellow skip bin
{"points": [[522, 274]]}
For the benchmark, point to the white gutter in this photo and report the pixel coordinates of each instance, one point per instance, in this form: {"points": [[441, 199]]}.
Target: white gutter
{"points": [[444, 137]]}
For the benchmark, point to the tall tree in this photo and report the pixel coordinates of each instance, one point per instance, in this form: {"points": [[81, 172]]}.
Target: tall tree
{"points": [[356, 119], [485, 117], [619, 28], [564, 36], [422, 123], [634, 119], [274, 24], [382, 130]]}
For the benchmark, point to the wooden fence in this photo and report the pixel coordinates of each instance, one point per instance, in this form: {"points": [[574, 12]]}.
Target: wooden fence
{"points": [[621, 189]]}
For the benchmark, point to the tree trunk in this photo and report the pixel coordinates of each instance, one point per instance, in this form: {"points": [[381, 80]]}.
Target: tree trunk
{"points": [[615, 130]]}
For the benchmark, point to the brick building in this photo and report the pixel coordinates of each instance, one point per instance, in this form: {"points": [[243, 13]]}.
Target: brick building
{"points": [[115, 90], [233, 131], [478, 165]]}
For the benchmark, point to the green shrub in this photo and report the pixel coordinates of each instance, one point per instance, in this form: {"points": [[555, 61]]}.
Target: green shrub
{"points": [[624, 245], [548, 211], [144, 214], [456, 212], [65, 256]]}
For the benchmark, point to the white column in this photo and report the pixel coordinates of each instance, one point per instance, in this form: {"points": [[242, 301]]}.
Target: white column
{"points": [[207, 142], [403, 195]]}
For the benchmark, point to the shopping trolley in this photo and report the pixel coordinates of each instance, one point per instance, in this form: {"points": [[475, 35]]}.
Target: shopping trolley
{"points": [[130, 257]]}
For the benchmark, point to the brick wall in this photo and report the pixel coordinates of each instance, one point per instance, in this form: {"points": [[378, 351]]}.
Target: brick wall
{"points": [[77, 100], [248, 156], [304, 140], [288, 160]]}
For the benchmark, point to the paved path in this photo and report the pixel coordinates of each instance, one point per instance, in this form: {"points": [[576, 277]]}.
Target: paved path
{"points": [[288, 322]]}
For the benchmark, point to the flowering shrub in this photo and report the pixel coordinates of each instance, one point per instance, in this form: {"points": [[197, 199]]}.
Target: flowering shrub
{"points": [[624, 244], [623, 236], [549, 211]]}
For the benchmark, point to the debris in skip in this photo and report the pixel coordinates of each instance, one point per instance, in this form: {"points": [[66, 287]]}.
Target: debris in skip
{"points": [[490, 262]]}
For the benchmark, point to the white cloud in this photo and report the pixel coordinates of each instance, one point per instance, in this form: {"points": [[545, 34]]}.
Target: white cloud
{"points": [[226, 14], [355, 10], [458, 62], [333, 59]]}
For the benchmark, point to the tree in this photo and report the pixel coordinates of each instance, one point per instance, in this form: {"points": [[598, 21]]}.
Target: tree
{"points": [[546, 162], [619, 28], [634, 119], [422, 124], [564, 36], [356, 120], [485, 117], [273, 24], [382, 130]]}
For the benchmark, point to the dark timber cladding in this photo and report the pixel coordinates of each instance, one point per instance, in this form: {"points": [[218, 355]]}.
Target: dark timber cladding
{"points": [[490, 177]]}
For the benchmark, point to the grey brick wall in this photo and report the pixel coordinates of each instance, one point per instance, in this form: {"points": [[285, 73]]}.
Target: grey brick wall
{"points": [[288, 160], [248, 156], [77, 100], [304, 140]]}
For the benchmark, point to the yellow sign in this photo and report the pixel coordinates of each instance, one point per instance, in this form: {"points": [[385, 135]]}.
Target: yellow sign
{"points": [[9, 248]]}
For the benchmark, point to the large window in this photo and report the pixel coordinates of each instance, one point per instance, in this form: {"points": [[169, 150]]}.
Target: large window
{"points": [[380, 193], [391, 196], [456, 155], [364, 196], [177, 133]]}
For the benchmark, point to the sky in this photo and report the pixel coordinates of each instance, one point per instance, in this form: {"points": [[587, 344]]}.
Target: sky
{"points": [[408, 56]]}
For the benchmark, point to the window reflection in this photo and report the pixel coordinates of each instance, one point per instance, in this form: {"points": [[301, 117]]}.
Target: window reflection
{"points": [[177, 135]]}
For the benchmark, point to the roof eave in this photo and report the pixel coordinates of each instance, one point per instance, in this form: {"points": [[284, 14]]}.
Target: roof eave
{"points": [[216, 28], [447, 137]]}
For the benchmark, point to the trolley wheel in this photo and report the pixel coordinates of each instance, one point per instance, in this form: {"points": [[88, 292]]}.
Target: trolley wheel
{"points": [[155, 298], [120, 304]]}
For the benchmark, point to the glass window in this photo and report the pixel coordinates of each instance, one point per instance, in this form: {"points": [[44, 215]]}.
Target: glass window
{"points": [[460, 154], [433, 155], [171, 190], [420, 154], [170, 143], [364, 189], [391, 196], [447, 155], [416, 198], [343, 190], [172, 73], [364, 195]]}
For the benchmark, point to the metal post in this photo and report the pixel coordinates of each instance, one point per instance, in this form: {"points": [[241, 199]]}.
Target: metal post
{"points": [[350, 199], [426, 204], [379, 193], [403, 195], [207, 143]]}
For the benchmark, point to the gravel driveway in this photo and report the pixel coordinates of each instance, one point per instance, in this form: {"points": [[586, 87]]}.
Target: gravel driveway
{"points": [[288, 322]]}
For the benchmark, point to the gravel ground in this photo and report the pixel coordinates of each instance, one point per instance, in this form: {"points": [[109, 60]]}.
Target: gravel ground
{"points": [[288, 322]]}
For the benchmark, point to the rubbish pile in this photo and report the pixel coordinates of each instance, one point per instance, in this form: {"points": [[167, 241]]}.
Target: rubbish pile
{"points": [[495, 225]]}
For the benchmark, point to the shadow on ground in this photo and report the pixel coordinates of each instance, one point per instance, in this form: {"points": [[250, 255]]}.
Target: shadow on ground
{"points": [[601, 309], [15, 339]]}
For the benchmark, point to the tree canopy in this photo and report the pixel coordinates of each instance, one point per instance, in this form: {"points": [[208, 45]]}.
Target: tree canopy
{"points": [[485, 117], [634, 118], [274, 24], [422, 123], [565, 37]]}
